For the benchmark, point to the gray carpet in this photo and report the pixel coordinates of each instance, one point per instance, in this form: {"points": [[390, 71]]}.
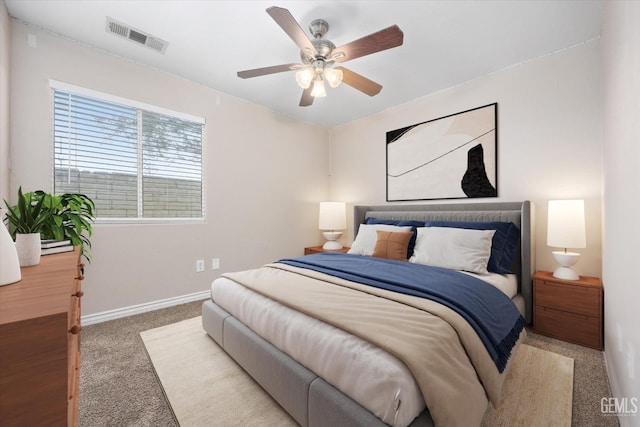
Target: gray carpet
{"points": [[118, 386]]}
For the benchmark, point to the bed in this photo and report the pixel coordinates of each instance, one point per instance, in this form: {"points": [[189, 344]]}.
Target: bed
{"points": [[327, 365]]}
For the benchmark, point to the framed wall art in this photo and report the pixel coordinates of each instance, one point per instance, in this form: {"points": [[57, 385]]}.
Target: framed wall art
{"points": [[452, 157]]}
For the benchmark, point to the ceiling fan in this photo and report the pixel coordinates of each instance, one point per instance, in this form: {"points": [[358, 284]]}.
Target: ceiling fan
{"points": [[320, 55]]}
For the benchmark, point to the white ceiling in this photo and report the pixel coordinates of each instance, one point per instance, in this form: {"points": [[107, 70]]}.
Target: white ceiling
{"points": [[445, 42]]}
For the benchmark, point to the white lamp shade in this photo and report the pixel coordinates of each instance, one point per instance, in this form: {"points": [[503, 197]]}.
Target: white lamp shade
{"points": [[333, 216], [318, 90], [9, 263], [333, 77], [565, 228], [304, 77]]}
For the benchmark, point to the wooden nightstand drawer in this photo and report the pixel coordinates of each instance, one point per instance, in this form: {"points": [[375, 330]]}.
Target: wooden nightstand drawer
{"points": [[318, 249], [570, 310], [571, 327], [568, 297]]}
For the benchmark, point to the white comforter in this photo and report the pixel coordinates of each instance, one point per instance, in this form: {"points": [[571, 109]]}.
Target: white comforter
{"points": [[382, 383]]}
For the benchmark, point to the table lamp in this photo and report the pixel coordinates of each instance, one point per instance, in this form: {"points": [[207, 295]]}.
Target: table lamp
{"points": [[566, 229], [333, 217]]}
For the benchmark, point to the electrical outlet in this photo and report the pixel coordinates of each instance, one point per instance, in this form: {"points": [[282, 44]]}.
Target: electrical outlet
{"points": [[215, 263], [199, 266]]}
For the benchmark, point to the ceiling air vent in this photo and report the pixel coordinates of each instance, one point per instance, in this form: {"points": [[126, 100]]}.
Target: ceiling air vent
{"points": [[126, 31]]}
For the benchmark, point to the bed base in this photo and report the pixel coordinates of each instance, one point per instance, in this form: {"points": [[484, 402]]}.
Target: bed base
{"points": [[311, 401]]}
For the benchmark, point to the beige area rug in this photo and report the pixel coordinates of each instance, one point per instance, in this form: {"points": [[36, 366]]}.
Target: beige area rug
{"points": [[538, 391], [206, 387]]}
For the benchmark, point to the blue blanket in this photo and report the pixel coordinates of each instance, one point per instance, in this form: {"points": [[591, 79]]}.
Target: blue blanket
{"points": [[491, 313]]}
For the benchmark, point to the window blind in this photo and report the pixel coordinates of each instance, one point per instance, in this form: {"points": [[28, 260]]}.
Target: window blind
{"points": [[131, 162]]}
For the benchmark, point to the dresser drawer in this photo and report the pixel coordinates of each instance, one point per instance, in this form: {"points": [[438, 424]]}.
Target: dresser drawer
{"points": [[74, 311], [74, 392], [73, 364], [568, 297], [572, 327]]}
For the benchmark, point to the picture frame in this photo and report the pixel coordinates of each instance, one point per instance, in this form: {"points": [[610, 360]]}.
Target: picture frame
{"points": [[451, 157]]}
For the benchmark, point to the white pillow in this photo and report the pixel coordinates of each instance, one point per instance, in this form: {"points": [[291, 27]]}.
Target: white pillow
{"points": [[454, 248], [367, 237]]}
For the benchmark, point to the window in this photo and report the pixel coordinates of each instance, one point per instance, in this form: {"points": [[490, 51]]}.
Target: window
{"points": [[135, 161]]}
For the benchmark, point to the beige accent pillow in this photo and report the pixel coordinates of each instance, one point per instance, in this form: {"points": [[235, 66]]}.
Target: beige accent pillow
{"points": [[392, 245], [366, 239]]}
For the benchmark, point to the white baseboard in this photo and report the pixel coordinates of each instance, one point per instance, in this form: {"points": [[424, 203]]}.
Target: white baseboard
{"points": [[118, 313]]}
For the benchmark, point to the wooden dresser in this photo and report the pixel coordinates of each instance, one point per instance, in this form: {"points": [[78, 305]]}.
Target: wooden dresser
{"points": [[570, 310], [40, 344]]}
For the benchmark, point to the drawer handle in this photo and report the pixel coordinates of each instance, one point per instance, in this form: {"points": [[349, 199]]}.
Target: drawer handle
{"points": [[75, 329], [78, 294], [81, 277]]}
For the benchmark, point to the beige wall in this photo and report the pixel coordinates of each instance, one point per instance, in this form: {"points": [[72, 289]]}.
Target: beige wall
{"points": [[549, 140], [5, 48], [266, 174], [621, 65]]}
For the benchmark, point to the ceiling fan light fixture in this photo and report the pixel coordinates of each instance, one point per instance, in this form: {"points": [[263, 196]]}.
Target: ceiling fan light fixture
{"points": [[319, 55], [304, 78], [318, 90], [333, 77]]}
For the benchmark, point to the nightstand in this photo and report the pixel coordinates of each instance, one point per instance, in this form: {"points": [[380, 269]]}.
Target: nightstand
{"points": [[317, 249], [570, 310]]}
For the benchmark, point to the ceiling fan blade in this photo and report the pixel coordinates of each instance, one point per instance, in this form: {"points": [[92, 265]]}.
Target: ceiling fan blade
{"points": [[290, 26], [359, 82], [306, 99], [256, 72], [382, 40]]}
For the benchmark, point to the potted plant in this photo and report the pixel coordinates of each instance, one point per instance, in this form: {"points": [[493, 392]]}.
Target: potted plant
{"points": [[71, 219], [26, 220], [68, 216]]}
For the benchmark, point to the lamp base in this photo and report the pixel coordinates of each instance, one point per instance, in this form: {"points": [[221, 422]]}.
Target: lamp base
{"points": [[566, 261], [566, 273], [332, 244]]}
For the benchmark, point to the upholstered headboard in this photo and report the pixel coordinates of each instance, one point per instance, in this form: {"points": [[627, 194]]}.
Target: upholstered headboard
{"points": [[520, 213]]}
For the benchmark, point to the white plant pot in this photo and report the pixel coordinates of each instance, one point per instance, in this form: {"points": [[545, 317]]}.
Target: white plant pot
{"points": [[29, 249]]}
